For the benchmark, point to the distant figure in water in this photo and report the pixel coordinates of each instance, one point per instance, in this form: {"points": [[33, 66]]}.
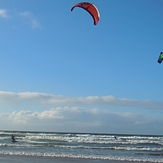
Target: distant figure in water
{"points": [[13, 138], [115, 137]]}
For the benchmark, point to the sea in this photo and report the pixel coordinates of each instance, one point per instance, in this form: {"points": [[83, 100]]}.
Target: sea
{"points": [[133, 148]]}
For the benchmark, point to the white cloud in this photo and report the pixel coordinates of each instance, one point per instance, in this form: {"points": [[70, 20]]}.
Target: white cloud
{"points": [[57, 100], [73, 119], [3, 13], [26, 17], [78, 114], [30, 19]]}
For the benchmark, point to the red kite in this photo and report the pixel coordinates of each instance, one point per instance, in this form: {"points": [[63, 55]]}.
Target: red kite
{"points": [[91, 8]]}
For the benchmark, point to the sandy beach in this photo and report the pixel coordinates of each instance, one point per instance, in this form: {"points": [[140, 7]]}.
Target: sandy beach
{"points": [[34, 159]]}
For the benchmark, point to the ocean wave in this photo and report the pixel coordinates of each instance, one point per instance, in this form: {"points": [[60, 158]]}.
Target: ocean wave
{"points": [[75, 145], [28, 143], [112, 158]]}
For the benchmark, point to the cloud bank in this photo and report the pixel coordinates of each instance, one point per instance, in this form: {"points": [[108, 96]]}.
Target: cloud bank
{"points": [[73, 119], [72, 114], [57, 100]]}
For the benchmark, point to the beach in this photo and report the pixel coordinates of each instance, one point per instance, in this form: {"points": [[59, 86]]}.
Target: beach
{"points": [[41, 159]]}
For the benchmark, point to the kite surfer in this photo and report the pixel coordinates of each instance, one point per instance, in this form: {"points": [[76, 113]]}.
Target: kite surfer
{"points": [[13, 138]]}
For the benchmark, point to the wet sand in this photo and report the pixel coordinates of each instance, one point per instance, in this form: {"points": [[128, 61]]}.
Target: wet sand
{"points": [[34, 159]]}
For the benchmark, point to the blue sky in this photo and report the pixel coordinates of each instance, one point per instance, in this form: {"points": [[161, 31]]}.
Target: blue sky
{"points": [[59, 72]]}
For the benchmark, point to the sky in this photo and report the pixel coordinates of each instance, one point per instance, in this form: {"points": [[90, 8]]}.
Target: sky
{"points": [[61, 73]]}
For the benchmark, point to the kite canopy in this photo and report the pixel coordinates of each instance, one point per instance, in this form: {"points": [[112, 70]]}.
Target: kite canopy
{"points": [[160, 59], [91, 8]]}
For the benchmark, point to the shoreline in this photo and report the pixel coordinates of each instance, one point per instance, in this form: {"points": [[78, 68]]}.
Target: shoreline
{"points": [[44, 159]]}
